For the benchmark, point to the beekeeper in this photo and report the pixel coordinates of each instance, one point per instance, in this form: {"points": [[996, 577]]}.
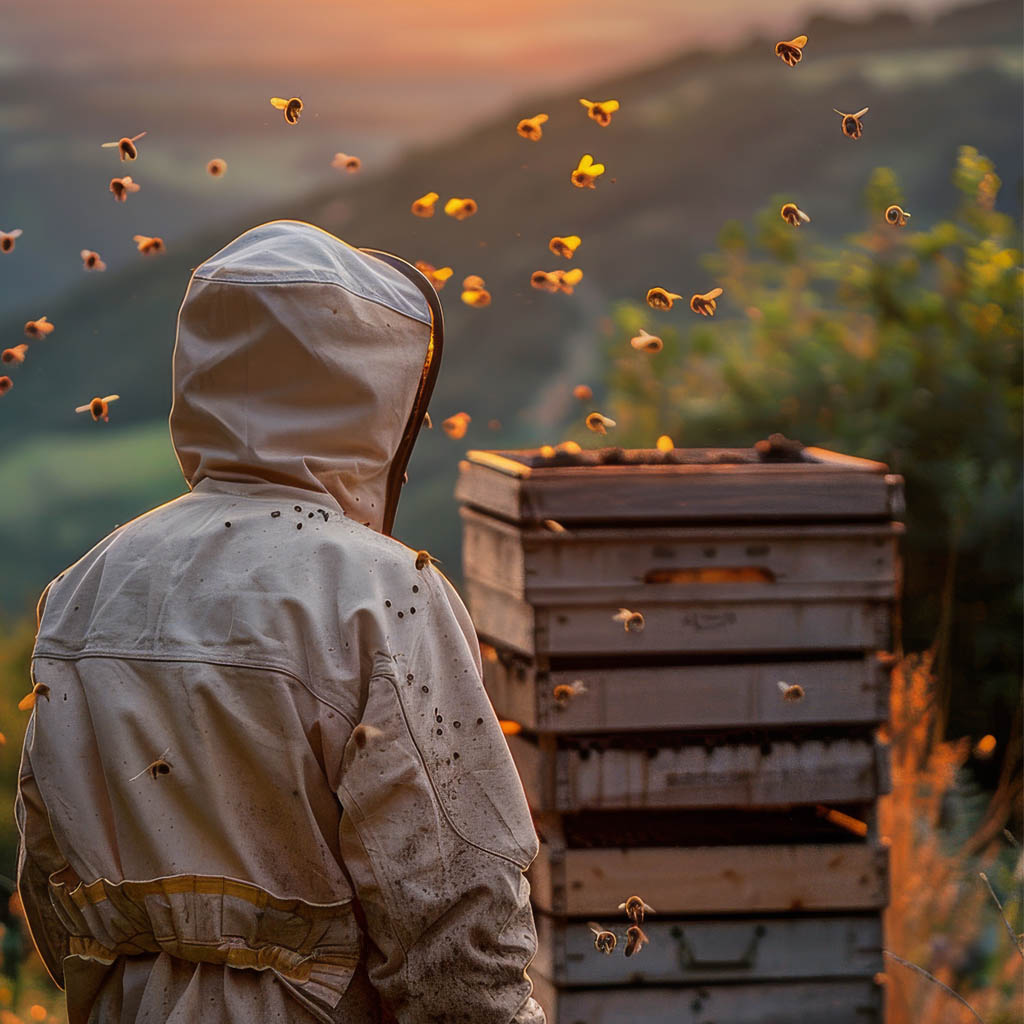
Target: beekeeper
{"points": [[262, 781]]}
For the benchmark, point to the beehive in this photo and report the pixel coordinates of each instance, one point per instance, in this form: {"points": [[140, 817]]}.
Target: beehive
{"points": [[667, 762]]}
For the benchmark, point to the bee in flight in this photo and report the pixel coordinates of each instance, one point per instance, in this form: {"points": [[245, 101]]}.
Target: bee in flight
{"points": [[587, 172], [99, 407], [424, 206], [793, 215], [437, 277], [599, 424], [161, 766], [565, 246], [564, 692], [530, 127], [659, 298], [216, 168], [635, 939], [5, 385], [8, 238], [91, 260], [635, 907], [791, 51], [601, 112], [121, 187], [604, 940], [474, 293], [852, 128], [29, 700], [425, 558], [632, 622], [665, 443], [126, 147], [896, 216], [791, 691], [292, 108], [455, 426], [460, 209], [644, 342], [705, 304], [582, 392], [147, 245], [344, 162], [39, 329], [14, 355]]}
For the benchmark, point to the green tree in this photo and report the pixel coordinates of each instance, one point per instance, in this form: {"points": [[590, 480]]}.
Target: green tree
{"points": [[902, 346]]}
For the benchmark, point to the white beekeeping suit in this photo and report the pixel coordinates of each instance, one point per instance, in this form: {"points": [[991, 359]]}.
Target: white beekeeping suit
{"points": [[262, 780]]}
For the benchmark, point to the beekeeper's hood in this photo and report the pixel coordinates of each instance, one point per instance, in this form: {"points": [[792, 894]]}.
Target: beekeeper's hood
{"points": [[303, 361]]}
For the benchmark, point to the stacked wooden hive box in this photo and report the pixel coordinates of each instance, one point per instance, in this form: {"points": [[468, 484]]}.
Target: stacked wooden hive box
{"points": [[669, 762]]}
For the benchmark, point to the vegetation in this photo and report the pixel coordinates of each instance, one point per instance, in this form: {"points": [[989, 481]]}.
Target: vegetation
{"points": [[903, 346]]}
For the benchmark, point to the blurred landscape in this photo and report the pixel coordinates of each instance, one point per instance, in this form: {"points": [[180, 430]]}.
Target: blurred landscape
{"points": [[702, 138]]}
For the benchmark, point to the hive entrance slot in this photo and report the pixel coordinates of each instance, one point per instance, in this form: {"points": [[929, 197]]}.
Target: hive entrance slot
{"points": [[716, 574]]}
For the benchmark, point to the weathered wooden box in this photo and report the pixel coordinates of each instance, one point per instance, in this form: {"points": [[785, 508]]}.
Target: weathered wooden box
{"points": [[666, 761]]}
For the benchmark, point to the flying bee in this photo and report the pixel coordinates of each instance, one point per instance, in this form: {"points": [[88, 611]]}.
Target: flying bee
{"points": [[565, 246], [125, 147], [38, 329], [705, 304], [147, 245], [546, 451], [437, 277], [635, 909], [216, 168], [896, 216], [604, 940], [99, 407], [791, 50], [586, 172], [161, 766], [455, 426], [601, 112], [8, 238], [544, 281], [599, 424], [29, 700], [120, 187], [852, 128], [5, 385], [424, 206], [553, 525], [460, 209], [635, 939], [14, 355], [564, 692], [530, 127], [658, 298], [566, 280], [425, 558], [632, 622], [344, 162], [292, 108], [363, 733], [473, 282], [793, 215], [427, 421], [478, 297], [644, 342], [791, 691], [92, 260], [582, 393], [665, 443], [571, 447]]}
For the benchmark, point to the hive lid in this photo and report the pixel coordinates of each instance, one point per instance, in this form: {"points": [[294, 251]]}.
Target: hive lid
{"points": [[615, 485]]}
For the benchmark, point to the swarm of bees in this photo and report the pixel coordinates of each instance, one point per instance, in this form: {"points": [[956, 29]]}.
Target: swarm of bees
{"points": [[705, 304], [8, 238], [644, 342], [292, 108], [587, 172], [530, 127], [39, 329], [896, 216], [344, 162], [121, 187], [599, 424], [125, 147], [99, 407], [791, 51], [852, 128], [601, 112], [566, 246], [793, 215]]}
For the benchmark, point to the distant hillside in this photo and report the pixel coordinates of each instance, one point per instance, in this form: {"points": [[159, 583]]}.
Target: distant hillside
{"points": [[699, 140]]}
